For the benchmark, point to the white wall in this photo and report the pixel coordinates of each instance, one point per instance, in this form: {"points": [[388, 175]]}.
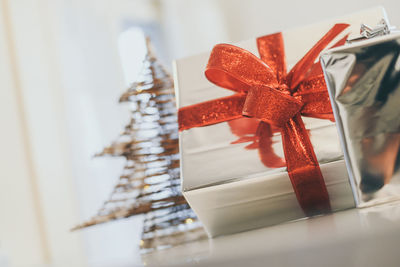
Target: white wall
{"points": [[193, 26], [21, 217]]}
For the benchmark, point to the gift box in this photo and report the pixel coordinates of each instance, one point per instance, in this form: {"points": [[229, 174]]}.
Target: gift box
{"points": [[233, 168], [364, 81]]}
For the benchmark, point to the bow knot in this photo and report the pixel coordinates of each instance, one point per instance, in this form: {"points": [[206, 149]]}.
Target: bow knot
{"points": [[284, 88], [271, 105]]}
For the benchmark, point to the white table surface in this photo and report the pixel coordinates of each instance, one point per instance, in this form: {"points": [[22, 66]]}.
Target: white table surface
{"points": [[357, 237]]}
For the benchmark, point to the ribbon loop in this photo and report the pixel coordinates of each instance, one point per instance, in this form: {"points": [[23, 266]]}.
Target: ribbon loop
{"points": [[234, 68]]}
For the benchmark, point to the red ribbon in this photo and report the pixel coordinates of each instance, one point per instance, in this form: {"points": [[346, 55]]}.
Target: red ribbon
{"points": [[265, 91]]}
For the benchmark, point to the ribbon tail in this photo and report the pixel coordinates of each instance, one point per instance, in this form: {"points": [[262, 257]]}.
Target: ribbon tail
{"points": [[303, 168], [299, 71], [315, 97]]}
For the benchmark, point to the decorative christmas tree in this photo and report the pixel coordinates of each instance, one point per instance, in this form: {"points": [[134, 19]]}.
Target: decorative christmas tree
{"points": [[150, 181]]}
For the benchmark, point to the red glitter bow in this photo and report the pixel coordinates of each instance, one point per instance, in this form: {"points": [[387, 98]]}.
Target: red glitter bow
{"points": [[264, 90]]}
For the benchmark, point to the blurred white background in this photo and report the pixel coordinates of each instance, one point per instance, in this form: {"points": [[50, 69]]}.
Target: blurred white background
{"points": [[63, 65]]}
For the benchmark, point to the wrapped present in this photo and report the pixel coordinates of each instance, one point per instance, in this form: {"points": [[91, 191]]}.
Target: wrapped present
{"points": [[257, 142], [364, 81]]}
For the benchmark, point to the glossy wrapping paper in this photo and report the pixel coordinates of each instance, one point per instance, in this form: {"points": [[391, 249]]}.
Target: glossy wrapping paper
{"points": [[364, 81], [234, 184]]}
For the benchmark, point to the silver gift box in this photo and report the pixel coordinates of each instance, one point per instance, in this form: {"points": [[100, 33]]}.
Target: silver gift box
{"points": [[363, 79], [225, 181]]}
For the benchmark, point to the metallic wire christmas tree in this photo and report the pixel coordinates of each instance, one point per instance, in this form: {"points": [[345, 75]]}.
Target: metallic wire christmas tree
{"points": [[150, 182]]}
